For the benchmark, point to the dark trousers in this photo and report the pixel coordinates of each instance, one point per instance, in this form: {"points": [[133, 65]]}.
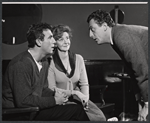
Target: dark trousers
{"points": [[69, 112]]}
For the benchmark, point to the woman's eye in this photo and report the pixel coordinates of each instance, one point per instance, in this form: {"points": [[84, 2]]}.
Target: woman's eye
{"points": [[61, 39]]}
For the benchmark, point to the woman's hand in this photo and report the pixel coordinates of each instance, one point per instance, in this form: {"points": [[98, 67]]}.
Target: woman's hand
{"points": [[84, 98], [60, 98], [67, 93]]}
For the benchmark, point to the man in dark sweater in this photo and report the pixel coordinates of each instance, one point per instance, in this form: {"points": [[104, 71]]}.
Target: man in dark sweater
{"points": [[25, 81], [131, 43]]}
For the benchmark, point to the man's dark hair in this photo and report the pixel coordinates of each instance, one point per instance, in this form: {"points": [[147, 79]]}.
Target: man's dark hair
{"points": [[101, 16], [35, 31]]}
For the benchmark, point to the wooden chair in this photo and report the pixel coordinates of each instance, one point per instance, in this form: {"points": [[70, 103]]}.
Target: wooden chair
{"points": [[19, 114]]}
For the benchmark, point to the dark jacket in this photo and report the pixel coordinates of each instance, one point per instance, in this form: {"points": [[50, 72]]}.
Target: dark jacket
{"points": [[24, 86], [131, 43]]}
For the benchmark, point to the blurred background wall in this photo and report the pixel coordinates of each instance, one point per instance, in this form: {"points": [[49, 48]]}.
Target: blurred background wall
{"points": [[75, 16]]}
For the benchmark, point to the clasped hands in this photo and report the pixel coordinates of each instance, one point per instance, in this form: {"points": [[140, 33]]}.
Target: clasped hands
{"points": [[60, 97]]}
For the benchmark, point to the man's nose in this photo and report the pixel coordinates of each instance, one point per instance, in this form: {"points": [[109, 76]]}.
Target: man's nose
{"points": [[54, 41]]}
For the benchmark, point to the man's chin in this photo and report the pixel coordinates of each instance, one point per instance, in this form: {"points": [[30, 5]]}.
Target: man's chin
{"points": [[50, 53], [99, 43]]}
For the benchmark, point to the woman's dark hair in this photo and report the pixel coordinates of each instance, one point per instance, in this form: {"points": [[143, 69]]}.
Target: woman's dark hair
{"points": [[58, 31], [35, 31], [100, 17]]}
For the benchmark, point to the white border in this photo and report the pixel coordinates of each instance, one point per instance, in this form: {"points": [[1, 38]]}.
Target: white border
{"points": [[74, 2]]}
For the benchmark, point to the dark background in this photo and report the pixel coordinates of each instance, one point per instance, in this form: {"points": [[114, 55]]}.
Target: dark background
{"points": [[74, 15]]}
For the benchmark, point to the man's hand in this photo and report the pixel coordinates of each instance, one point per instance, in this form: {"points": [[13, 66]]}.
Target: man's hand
{"points": [[112, 79], [113, 119], [60, 97], [143, 113]]}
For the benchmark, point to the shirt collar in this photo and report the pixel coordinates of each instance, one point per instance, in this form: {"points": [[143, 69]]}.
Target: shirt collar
{"points": [[38, 65], [111, 39]]}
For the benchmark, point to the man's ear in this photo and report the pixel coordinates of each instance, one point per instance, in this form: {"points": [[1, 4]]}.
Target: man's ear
{"points": [[105, 26], [38, 42]]}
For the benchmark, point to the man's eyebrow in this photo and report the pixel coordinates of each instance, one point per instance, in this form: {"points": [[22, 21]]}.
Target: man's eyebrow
{"points": [[90, 27]]}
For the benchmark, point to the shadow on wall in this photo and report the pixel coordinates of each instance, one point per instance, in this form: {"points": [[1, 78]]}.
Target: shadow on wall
{"points": [[16, 19]]}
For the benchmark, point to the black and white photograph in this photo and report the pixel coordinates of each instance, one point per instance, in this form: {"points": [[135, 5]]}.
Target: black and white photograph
{"points": [[74, 61]]}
